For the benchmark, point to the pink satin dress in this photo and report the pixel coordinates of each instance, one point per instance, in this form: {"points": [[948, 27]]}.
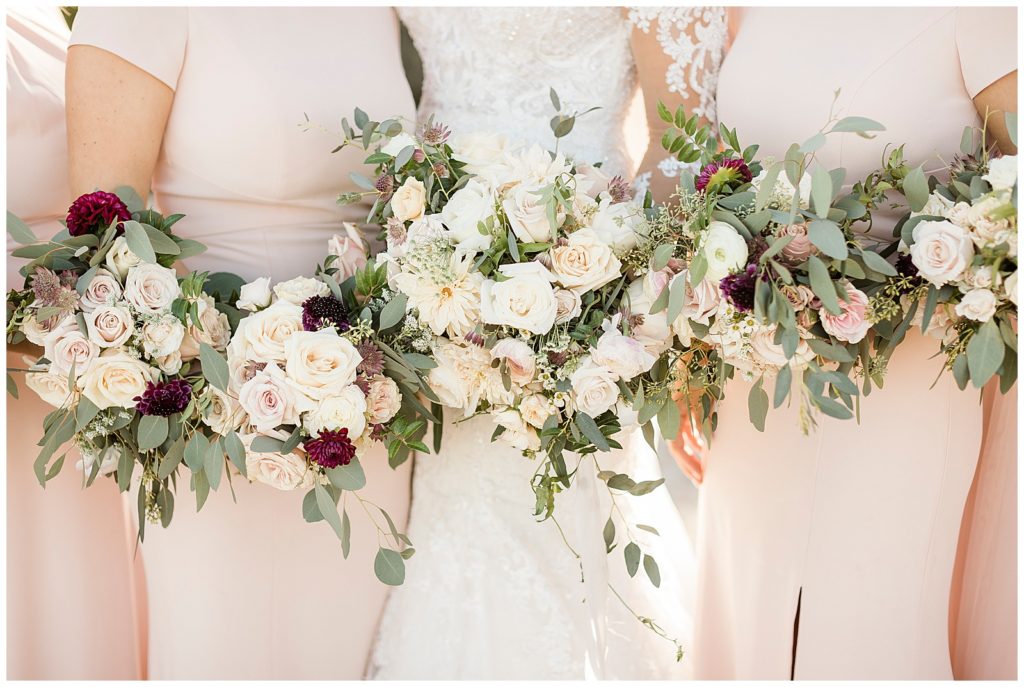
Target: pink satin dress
{"points": [[70, 602], [830, 556], [249, 590]]}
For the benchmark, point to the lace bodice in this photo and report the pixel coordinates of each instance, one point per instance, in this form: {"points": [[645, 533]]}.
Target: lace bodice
{"points": [[490, 69]]}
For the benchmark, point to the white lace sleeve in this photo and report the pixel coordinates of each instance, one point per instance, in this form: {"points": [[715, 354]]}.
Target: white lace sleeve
{"points": [[692, 40]]}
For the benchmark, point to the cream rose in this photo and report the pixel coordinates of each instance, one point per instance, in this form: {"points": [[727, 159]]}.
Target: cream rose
{"points": [[585, 263], [978, 305], [51, 387], [618, 224], [527, 216], [651, 330], [351, 250], [320, 363], [941, 251], [851, 324], [296, 291], [568, 305], [109, 326], [120, 258], [283, 472], [518, 358], [594, 390], [36, 331], [724, 249], [114, 380], [517, 433], [345, 409], [223, 413], [624, 356], [524, 301], [701, 300], [536, 409], [255, 295], [467, 208], [67, 347], [216, 330], [261, 336], [151, 288], [103, 289], [270, 401], [162, 336], [384, 400], [767, 352], [409, 200]]}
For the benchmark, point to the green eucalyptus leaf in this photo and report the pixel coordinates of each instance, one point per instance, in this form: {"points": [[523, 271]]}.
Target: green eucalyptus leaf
{"points": [[152, 431], [138, 241], [389, 567], [348, 477], [632, 555], [985, 352]]}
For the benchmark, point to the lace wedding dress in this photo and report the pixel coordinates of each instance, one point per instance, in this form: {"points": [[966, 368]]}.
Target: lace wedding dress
{"points": [[491, 593]]}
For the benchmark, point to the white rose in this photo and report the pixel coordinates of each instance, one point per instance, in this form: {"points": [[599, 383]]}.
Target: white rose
{"points": [[66, 347], [255, 295], [162, 336], [169, 364], [151, 288], [767, 352], [320, 363], [283, 472], [345, 409], [959, 214], [617, 224], [941, 251], [397, 144], [569, 305], [724, 249], [1002, 172], [114, 380], [524, 301], [109, 325], [216, 330], [223, 413], [484, 155], [585, 263], [261, 336], [519, 359], [937, 206], [51, 387], [536, 409], [537, 166], [517, 434], [594, 390], [409, 200], [103, 289], [107, 461], [298, 290], [527, 216], [978, 305], [654, 331], [270, 401], [449, 386], [624, 356], [465, 210], [350, 249], [384, 400], [120, 258], [1010, 285]]}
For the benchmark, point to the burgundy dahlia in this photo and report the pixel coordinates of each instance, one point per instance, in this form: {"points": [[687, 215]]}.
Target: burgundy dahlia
{"points": [[723, 172], [331, 449], [906, 268], [738, 288], [94, 212], [320, 312], [164, 399]]}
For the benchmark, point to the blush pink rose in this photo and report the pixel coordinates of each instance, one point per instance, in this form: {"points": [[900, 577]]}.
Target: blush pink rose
{"points": [[851, 324]]}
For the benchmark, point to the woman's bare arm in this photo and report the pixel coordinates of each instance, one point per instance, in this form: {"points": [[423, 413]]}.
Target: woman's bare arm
{"points": [[997, 99]]}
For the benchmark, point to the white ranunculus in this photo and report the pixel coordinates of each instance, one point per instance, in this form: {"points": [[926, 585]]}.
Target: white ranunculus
{"points": [[120, 258], [162, 336], [519, 359], [216, 329], [255, 295], [594, 390], [320, 363], [345, 409], [524, 301], [585, 263], [115, 378], [654, 331], [536, 409], [570, 305], [223, 413], [1010, 286], [270, 401], [51, 387], [537, 166], [261, 336], [151, 288], [1002, 172], [298, 290], [724, 249], [784, 189], [941, 251], [623, 355], [384, 400], [109, 326], [528, 216], [103, 289], [978, 305], [450, 305], [66, 347], [518, 434], [283, 472], [618, 224], [350, 249], [397, 144], [465, 210], [409, 200]]}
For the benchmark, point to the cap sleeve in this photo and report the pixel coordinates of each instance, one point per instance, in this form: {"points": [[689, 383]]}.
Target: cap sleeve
{"points": [[986, 39], [151, 38]]}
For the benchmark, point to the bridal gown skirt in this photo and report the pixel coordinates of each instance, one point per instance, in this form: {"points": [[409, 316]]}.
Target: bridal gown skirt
{"points": [[853, 529], [251, 591], [493, 594]]}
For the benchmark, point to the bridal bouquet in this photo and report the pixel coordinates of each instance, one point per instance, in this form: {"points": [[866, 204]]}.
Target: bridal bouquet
{"points": [[757, 266], [124, 340], [957, 267], [313, 376], [509, 257]]}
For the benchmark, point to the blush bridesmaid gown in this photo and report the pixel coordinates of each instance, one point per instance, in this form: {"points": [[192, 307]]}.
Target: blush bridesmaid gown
{"points": [[830, 556], [249, 590], [70, 606]]}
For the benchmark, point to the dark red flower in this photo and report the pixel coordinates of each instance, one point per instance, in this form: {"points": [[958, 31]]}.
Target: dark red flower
{"points": [[94, 212], [320, 312], [738, 288], [723, 172], [164, 399], [331, 449]]}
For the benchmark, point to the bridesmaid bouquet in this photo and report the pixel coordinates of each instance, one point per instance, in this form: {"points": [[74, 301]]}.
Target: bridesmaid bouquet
{"points": [[957, 267], [313, 376], [757, 266], [126, 348]]}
